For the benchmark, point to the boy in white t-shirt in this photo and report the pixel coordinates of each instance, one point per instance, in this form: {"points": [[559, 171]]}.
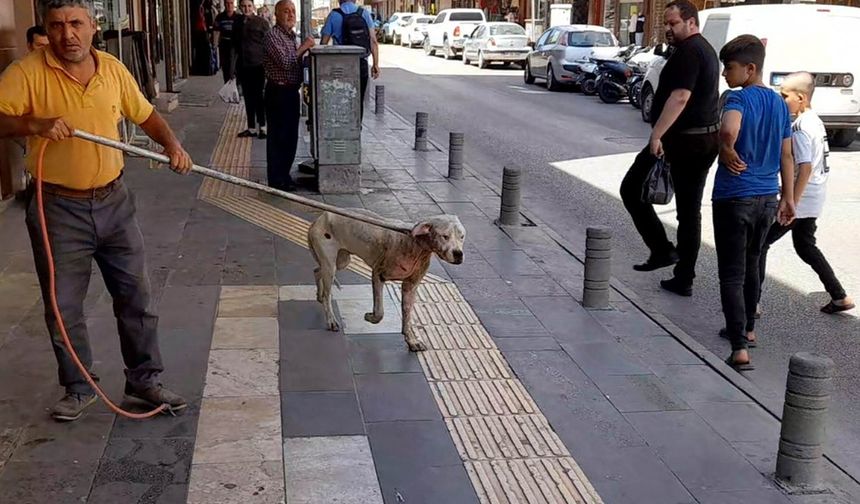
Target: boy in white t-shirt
{"points": [[809, 145]]}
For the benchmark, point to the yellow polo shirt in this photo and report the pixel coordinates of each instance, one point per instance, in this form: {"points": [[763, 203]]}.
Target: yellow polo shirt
{"points": [[38, 85]]}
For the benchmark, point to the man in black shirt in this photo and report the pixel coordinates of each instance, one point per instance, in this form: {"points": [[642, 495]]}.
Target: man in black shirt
{"points": [[224, 39], [685, 122]]}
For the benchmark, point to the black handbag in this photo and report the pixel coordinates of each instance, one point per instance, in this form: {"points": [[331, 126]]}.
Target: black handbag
{"points": [[658, 188]]}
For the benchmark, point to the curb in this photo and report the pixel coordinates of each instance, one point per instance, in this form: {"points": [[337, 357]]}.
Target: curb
{"points": [[709, 358]]}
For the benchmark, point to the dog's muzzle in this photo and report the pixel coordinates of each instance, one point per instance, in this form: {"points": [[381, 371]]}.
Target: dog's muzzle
{"points": [[458, 256]]}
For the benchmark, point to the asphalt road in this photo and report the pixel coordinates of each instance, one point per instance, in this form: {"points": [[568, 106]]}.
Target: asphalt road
{"points": [[572, 152]]}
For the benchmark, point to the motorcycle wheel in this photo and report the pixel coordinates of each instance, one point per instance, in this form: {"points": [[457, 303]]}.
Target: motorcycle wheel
{"points": [[607, 94], [589, 87]]}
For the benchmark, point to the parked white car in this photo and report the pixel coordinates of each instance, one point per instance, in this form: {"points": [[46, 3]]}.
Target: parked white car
{"points": [[414, 31], [818, 47], [496, 42], [448, 32], [389, 26], [398, 26]]}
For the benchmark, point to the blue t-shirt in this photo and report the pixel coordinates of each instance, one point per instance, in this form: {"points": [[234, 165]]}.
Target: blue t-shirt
{"points": [[765, 124], [334, 24]]}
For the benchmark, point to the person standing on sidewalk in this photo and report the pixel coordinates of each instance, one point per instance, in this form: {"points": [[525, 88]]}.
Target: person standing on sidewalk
{"points": [[810, 150], [90, 212], [755, 150], [353, 25], [283, 104], [224, 39], [685, 131], [249, 33]]}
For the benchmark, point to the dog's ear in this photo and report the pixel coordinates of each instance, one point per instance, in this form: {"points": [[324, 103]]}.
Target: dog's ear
{"points": [[421, 229]]}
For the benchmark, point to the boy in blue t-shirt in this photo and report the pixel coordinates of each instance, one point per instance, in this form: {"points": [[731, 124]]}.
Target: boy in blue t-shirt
{"points": [[755, 149]]}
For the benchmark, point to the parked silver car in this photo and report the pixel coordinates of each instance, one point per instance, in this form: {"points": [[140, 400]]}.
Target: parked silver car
{"points": [[496, 42], [558, 49]]}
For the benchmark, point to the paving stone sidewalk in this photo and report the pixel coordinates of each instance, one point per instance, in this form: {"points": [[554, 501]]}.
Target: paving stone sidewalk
{"points": [[525, 396]]}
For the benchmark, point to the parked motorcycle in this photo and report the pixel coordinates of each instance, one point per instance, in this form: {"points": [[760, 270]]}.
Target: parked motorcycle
{"points": [[614, 75], [585, 73]]}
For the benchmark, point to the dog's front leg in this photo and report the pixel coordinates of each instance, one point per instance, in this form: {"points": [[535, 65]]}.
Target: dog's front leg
{"points": [[378, 312], [407, 303]]}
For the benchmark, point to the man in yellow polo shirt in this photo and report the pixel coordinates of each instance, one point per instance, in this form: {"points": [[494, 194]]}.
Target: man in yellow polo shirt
{"points": [[90, 212]]}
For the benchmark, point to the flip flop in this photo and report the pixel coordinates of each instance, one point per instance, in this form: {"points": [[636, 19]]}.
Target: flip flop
{"points": [[746, 366], [832, 308], [725, 335]]}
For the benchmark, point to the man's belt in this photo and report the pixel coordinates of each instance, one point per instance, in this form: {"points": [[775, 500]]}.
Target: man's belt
{"points": [[96, 193], [702, 130]]}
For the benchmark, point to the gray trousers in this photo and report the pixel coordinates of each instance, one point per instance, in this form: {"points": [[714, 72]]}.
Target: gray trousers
{"points": [[106, 230]]}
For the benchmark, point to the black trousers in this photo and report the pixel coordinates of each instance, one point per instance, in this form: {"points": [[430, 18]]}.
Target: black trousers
{"points": [[740, 229], [283, 108], [104, 230], [253, 81], [690, 158], [228, 61], [364, 73], [803, 237]]}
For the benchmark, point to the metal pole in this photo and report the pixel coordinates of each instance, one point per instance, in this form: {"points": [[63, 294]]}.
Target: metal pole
{"points": [[400, 227], [455, 155], [534, 25], [421, 120], [804, 419], [380, 100], [598, 268], [509, 214]]}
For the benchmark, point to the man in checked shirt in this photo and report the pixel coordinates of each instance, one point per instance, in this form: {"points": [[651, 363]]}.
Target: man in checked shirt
{"points": [[283, 67]]}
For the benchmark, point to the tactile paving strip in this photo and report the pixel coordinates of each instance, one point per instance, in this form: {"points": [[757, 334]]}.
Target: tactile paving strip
{"points": [[554, 480], [446, 365], [510, 451], [484, 397], [504, 437]]}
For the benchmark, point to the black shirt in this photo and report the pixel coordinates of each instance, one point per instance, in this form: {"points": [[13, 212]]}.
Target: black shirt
{"points": [[693, 66], [224, 25]]}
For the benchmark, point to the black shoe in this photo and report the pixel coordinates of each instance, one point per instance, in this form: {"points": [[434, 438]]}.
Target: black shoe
{"points": [[262, 134], [245, 134], [72, 406], [157, 395], [677, 287], [656, 262]]}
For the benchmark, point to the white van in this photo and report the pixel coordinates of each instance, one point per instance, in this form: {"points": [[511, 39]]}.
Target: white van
{"points": [[812, 38]]}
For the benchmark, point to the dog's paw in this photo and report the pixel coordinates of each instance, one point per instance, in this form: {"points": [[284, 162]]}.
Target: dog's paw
{"points": [[373, 318], [333, 326], [416, 346]]}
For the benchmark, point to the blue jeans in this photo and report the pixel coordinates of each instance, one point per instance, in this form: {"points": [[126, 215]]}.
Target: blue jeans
{"points": [[740, 229]]}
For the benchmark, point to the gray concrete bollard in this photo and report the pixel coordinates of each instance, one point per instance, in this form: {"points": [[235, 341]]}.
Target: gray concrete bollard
{"points": [[380, 100], [598, 268], [509, 215], [421, 120], [455, 155], [804, 419]]}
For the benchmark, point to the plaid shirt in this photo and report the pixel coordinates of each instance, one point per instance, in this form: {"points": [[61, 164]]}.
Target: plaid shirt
{"points": [[282, 63]]}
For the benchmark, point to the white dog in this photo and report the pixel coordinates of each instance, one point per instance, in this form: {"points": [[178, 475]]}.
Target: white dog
{"points": [[391, 255]]}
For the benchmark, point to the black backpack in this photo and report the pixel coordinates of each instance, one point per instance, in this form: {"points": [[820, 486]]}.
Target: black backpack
{"points": [[354, 30]]}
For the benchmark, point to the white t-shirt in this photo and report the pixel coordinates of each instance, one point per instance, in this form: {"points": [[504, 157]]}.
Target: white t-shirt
{"points": [[809, 144]]}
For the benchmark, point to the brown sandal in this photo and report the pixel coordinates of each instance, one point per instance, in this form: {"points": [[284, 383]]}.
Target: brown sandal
{"points": [[833, 308], [739, 366]]}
